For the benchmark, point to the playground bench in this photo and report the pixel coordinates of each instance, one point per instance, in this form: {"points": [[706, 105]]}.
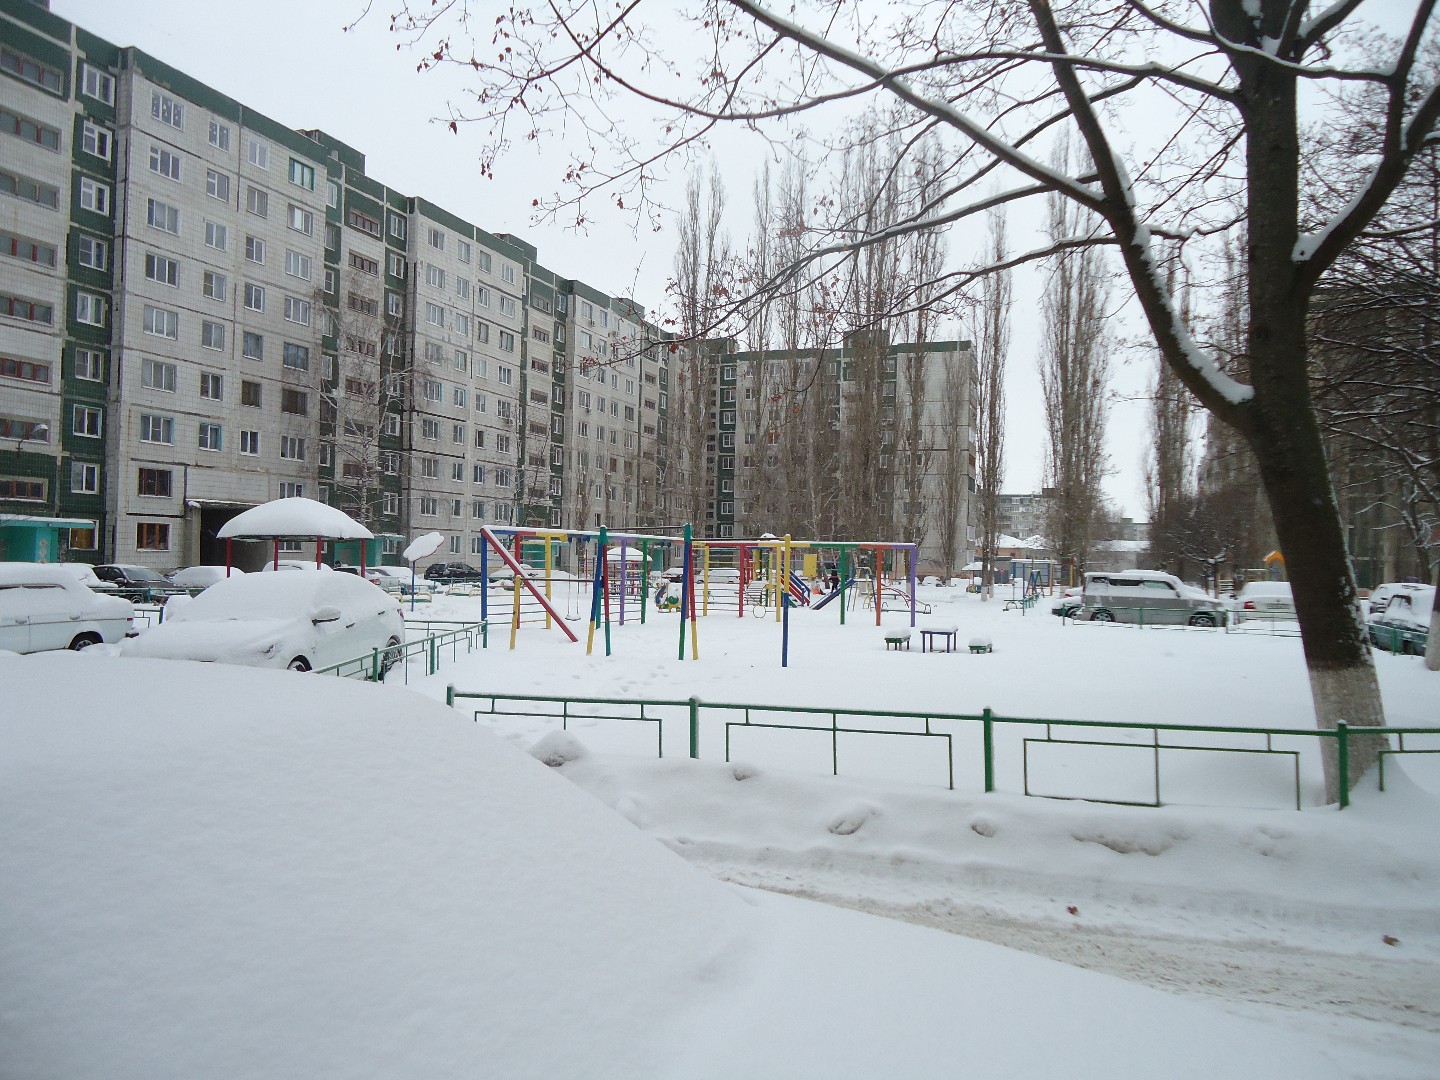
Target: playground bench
{"points": [[896, 639], [981, 645], [931, 635]]}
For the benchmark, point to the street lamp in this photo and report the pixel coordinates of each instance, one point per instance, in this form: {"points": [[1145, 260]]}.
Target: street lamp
{"points": [[36, 433]]}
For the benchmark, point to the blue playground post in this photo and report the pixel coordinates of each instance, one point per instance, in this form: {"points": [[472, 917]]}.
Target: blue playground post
{"points": [[785, 630]]}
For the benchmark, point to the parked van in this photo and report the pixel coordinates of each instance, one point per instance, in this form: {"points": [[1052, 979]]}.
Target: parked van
{"points": [[1147, 596]]}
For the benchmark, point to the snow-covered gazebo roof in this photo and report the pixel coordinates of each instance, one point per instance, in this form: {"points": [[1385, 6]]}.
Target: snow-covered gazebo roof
{"points": [[295, 518]]}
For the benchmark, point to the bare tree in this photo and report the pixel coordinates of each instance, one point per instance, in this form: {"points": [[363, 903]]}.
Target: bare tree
{"points": [[702, 269], [1074, 376], [1169, 468], [1218, 86], [993, 349]]}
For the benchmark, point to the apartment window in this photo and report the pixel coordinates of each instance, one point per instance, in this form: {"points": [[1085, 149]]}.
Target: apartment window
{"points": [[461, 324], [89, 308], [429, 429], [97, 84], [292, 448], [294, 401], [259, 154], [84, 479], [332, 281], [457, 473], [296, 357], [434, 390], [157, 429], [214, 285], [302, 175], [507, 273], [212, 335], [216, 236], [167, 110], [391, 424], [429, 506], [482, 331], [397, 226], [89, 365], [435, 315], [302, 220], [394, 304], [484, 261], [366, 305], [505, 374], [254, 296], [31, 190], [212, 386], [395, 265], [437, 239], [158, 375], [255, 249], [95, 196], [155, 483], [435, 276], [542, 336], [165, 163], [159, 268], [430, 468], [25, 370], [152, 535], [253, 346], [90, 251], [209, 437], [366, 224], [297, 310], [250, 443], [257, 201], [507, 306], [332, 194], [161, 322], [507, 341], [462, 360], [96, 141], [390, 466], [219, 135], [364, 265], [462, 250], [434, 352], [482, 296], [478, 474], [87, 421], [250, 393], [461, 397]]}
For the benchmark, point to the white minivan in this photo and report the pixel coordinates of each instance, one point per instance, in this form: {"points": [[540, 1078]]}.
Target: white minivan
{"points": [[44, 607], [1147, 597]]}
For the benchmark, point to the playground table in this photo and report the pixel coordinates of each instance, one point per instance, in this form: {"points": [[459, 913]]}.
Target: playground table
{"points": [[896, 639], [931, 635]]}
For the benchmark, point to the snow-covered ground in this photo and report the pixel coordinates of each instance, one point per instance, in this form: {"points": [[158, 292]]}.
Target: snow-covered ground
{"points": [[221, 872]]}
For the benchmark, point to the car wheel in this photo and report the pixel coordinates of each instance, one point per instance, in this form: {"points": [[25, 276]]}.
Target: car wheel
{"points": [[1202, 619], [391, 656], [1404, 646], [1102, 616], [299, 664], [84, 641]]}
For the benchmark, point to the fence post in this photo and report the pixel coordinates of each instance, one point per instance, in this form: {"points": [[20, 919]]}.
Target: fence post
{"points": [[450, 695], [1342, 761], [989, 730], [694, 727], [374, 665], [434, 656]]}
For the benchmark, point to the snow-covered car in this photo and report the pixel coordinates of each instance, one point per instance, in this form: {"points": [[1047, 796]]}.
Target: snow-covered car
{"points": [[1147, 596], [43, 606], [85, 574], [296, 621], [1382, 594], [137, 580], [1068, 602], [202, 577], [293, 564], [1264, 600], [1404, 626], [393, 579]]}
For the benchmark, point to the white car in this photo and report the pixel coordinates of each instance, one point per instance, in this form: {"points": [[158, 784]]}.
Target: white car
{"points": [[1381, 596], [393, 579], [1264, 600], [296, 621], [43, 606], [1147, 597], [202, 577]]}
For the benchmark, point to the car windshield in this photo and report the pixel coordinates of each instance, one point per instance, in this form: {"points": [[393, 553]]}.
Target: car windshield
{"points": [[144, 573], [259, 596]]}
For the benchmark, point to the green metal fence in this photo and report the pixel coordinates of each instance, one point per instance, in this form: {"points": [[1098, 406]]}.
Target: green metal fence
{"points": [[943, 728], [376, 665]]}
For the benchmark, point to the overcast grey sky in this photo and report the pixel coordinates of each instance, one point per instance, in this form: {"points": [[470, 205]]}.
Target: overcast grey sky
{"points": [[292, 61]]}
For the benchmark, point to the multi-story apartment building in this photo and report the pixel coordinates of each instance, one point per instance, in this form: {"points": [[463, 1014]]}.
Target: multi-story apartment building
{"points": [[202, 309]]}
